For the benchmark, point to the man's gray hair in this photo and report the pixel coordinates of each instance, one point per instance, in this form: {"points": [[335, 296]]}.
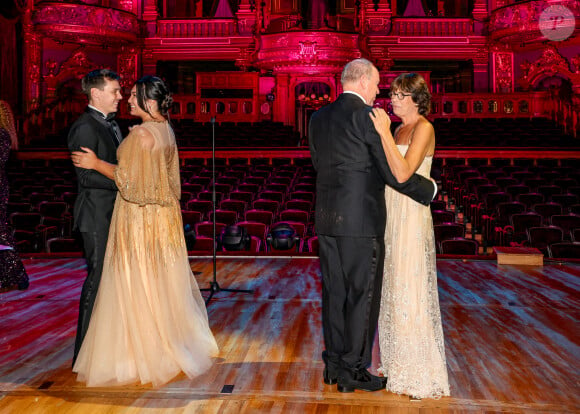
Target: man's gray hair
{"points": [[356, 69]]}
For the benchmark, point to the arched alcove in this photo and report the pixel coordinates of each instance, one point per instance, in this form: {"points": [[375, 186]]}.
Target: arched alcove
{"points": [[309, 97], [312, 91], [558, 84]]}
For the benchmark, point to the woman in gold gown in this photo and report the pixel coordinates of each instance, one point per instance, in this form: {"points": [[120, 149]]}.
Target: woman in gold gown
{"points": [[150, 322]]}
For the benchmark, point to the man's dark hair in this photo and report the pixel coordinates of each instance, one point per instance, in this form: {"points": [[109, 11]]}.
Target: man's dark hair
{"points": [[96, 79]]}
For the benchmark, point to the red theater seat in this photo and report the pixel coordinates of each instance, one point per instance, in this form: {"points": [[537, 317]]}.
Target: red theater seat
{"points": [[261, 216], [564, 250], [63, 245], [542, 237], [459, 246]]}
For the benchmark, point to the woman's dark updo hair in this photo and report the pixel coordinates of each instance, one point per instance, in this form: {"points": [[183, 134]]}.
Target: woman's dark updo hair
{"points": [[152, 87], [414, 84]]}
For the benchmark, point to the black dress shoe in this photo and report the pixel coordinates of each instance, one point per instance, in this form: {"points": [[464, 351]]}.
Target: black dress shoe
{"points": [[348, 381], [329, 379], [383, 380], [330, 373]]}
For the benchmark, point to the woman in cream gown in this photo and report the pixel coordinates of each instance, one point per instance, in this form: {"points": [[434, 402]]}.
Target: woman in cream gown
{"points": [[149, 322], [411, 340]]}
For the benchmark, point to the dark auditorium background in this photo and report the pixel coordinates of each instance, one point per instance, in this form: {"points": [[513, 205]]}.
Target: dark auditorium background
{"points": [[504, 74]]}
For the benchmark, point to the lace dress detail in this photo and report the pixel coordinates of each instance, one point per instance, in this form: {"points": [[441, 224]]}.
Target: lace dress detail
{"points": [[410, 333], [149, 322]]}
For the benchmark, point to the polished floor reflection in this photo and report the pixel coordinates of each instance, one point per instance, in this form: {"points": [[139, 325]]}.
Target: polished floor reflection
{"points": [[511, 337]]}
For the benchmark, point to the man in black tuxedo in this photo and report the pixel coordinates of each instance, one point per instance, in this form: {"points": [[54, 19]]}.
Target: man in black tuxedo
{"points": [[350, 220], [97, 130]]}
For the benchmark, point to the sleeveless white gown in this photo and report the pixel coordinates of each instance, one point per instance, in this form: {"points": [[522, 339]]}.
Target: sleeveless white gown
{"points": [[410, 332]]}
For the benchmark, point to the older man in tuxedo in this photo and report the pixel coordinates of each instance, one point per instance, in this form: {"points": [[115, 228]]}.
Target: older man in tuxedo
{"points": [[352, 172], [97, 130]]}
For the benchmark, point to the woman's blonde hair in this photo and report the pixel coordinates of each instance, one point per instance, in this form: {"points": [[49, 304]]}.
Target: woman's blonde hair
{"points": [[7, 122]]}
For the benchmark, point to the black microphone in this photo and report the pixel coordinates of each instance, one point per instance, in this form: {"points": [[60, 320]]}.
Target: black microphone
{"points": [[212, 120]]}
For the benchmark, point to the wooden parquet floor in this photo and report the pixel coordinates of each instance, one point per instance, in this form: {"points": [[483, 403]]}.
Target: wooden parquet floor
{"points": [[512, 341]]}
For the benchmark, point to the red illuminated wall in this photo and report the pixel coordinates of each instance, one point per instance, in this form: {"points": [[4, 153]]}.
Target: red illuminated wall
{"points": [[490, 49]]}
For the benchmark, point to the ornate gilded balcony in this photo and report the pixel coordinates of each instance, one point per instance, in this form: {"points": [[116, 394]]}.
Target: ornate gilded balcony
{"points": [[535, 21], [310, 52], [82, 23]]}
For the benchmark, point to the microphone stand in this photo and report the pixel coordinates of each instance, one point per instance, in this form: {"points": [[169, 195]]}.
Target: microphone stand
{"points": [[214, 286]]}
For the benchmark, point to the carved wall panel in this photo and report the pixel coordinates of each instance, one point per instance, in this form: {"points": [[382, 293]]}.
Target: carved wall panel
{"points": [[127, 62], [76, 66], [503, 72], [307, 52], [551, 63]]}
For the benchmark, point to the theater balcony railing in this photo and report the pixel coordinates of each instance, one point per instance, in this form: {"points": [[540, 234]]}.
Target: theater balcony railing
{"points": [[436, 26], [487, 105], [512, 105], [86, 24], [194, 107], [188, 28], [534, 21]]}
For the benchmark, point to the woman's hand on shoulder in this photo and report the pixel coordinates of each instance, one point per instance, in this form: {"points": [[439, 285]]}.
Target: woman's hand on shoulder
{"points": [[381, 120]]}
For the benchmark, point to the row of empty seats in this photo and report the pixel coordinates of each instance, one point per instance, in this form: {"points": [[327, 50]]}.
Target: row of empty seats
{"points": [[502, 132], [532, 204], [499, 199], [450, 132]]}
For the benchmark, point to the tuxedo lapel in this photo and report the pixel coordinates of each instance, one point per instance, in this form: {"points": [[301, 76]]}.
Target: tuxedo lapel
{"points": [[110, 124], [117, 131]]}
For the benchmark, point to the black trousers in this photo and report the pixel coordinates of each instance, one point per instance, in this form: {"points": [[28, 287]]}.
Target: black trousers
{"points": [[352, 277], [94, 244]]}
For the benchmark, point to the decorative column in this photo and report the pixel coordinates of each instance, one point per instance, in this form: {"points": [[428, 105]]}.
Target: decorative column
{"points": [[377, 16], [480, 9], [576, 86], [150, 17], [480, 14], [381, 58], [261, 11], [32, 64], [246, 18], [502, 71], [283, 97], [148, 62], [480, 71], [247, 26], [128, 64]]}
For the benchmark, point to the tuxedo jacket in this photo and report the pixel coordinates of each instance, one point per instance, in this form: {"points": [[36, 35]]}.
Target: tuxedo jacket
{"points": [[352, 171], [96, 193]]}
